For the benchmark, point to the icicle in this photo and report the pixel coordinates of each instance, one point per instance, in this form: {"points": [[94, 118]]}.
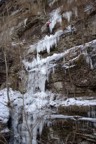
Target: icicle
{"points": [[47, 43], [55, 18]]}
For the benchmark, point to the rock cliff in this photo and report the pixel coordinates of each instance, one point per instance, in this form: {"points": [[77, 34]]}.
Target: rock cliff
{"points": [[48, 69]]}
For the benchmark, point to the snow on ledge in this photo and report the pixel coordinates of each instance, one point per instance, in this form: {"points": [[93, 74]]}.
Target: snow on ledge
{"points": [[79, 118], [79, 102]]}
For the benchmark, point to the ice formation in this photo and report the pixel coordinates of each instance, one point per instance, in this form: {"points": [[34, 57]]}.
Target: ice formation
{"points": [[35, 103], [31, 109], [47, 43], [67, 15], [55, 18]]}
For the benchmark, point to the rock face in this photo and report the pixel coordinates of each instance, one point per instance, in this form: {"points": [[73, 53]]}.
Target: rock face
{"points": [[54, 68]]}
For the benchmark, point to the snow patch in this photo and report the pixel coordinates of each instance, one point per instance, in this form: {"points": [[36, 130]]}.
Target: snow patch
{"points": [[4, 110]]}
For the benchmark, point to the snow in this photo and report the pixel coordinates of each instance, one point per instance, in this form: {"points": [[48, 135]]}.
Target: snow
{"points": [[35, 106], [79, 102], [60, 117], [79, 118], [52, 2], [88, 119], [38, 101], [4, 110]]}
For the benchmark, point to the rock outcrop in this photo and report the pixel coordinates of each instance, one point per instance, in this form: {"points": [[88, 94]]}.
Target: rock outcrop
{"points": [[50, 48]]}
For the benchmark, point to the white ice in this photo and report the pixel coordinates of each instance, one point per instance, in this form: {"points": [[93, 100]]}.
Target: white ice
{"points": [[4, 110], [55, 17], [46, 43], [67, 15]]}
